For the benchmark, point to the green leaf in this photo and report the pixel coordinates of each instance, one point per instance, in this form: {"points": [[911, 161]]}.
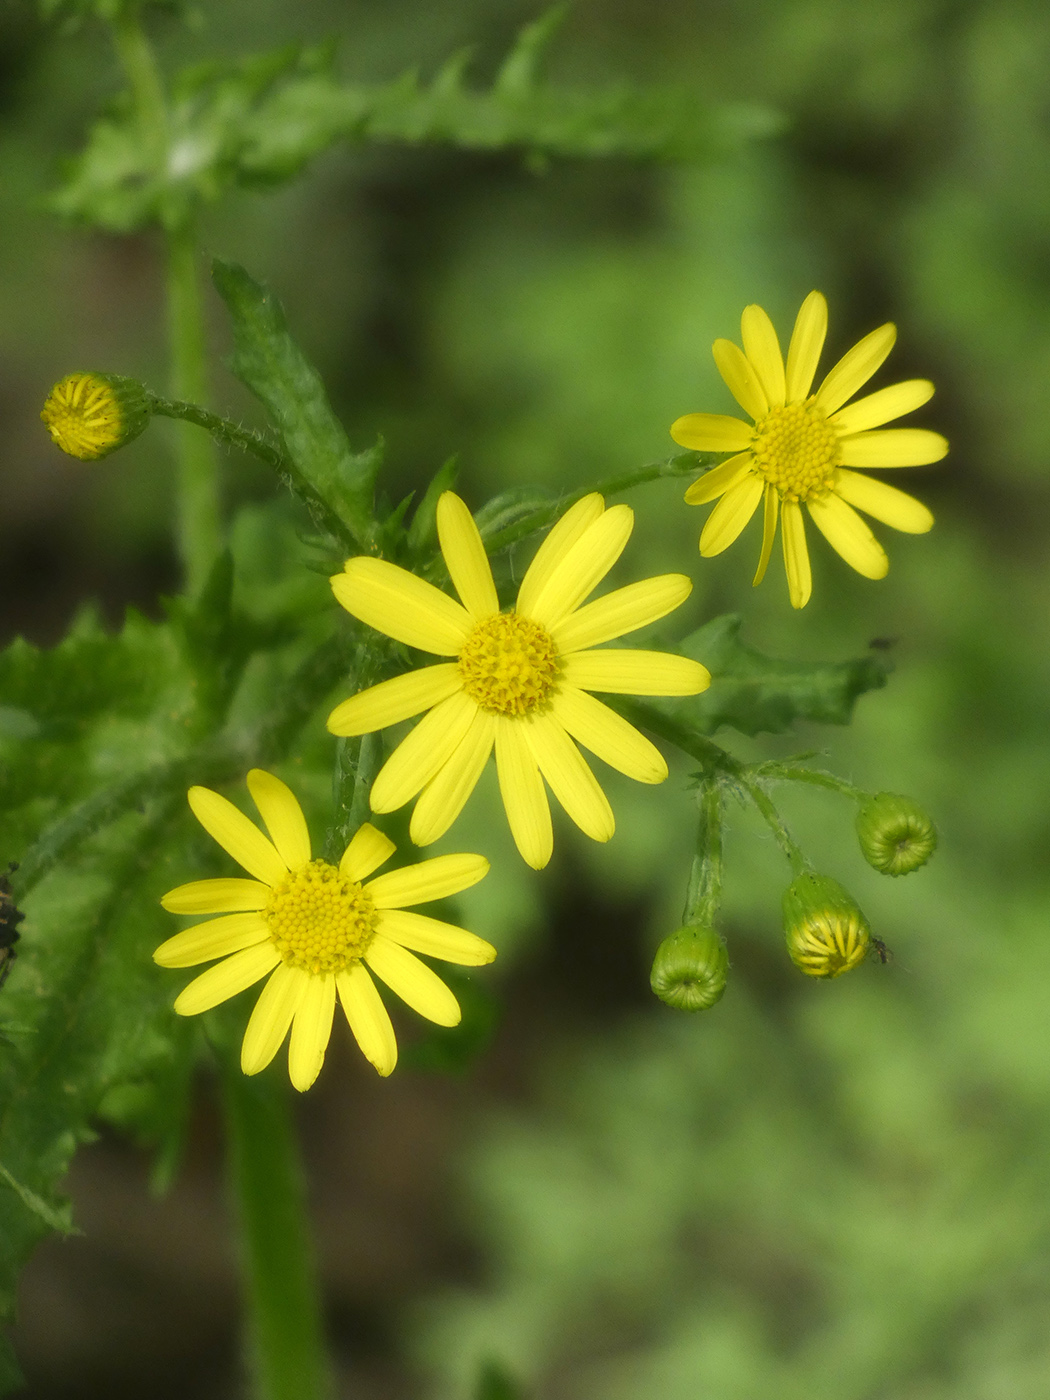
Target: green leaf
{"points": [[518, 73], [55, 1217], [422, 533]]}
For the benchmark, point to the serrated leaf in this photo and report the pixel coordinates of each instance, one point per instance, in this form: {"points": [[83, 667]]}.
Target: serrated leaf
{"points": [[518, 72]]}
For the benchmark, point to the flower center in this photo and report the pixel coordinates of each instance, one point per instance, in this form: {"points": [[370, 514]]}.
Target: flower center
{"points": [[83, 416], [797, 449], [508, 664], [320, 921]]}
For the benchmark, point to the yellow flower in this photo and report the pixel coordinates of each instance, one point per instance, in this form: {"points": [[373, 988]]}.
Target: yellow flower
{"points": [[315, 929], [802, 445], [519, 679], [91, 415]]}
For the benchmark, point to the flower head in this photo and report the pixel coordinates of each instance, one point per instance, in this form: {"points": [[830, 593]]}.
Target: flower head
{"points": [[690, 969], [315, 930], [90, 415], [802, 446], [896, 836], [826, 932], [518, 680]]}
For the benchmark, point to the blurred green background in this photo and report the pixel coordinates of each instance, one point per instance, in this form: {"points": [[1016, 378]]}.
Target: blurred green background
{"points": [[812, 1190]]}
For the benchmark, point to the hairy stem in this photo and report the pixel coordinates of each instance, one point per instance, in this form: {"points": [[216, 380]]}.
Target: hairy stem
{"points": [[704, 894], [762, 800]]}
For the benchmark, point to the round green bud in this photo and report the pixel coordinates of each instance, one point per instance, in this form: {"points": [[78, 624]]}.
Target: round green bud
{"points": [[690, 969], [896, 836], [825, 930], [91, 415]]}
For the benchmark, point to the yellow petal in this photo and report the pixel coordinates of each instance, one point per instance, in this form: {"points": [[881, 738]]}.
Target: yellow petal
{"points": [[884, 502], [366, 852], [422, 753], [807, 341], [762, 348], [311, 1031], [227, 978], [468, 564], [796, 555], [607, 735], [523, 793], [435, 938], [444, 797], [268, 1024], [712, 432], [237, 835], [893, 447], [844, 530], [583, 566], [570, 779], [427, 880], [216, 897], [730, 515], [769, 530], [855, 368], [391, 701], [214, 939], [628, 672], [280, 810], [739, 374], [622, 610], [368, 1018], [395, 602], [414, 982], [721, 478], [882, 407], [562, 537]]}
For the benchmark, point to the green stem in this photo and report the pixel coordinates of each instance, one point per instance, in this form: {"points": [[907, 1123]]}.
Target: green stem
{"points": [[790, 773], [704, 894], [761, 799], [222, 430], [140, 69]]}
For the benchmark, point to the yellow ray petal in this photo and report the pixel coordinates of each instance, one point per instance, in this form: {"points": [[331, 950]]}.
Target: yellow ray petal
{"points": [[217, 897], [570, 778], [622, 671], [855, 368], [796, 554], [435, 938], [426, 881], [468, 564], [523, 793], [844, 530], [562, 537], [366, 852], [884, 502], [719, 479], [237, 835], [368, 1018], [893, 447], [762, 348], [414, 982], [712, 432], [607, 735], [739, 374], [622, 610], [422, 753], [443, 798], [280, 810], [226, 979], [583, 566], [807, 341], [882, 407], [311, 1031], [730, 515], [268, 1024], [391, 701], [393, 601], [769, 530], [214, 939]]}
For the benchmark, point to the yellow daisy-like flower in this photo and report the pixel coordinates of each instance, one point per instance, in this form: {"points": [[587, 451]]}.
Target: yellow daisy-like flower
{"points": [[315, 930], [801, 446], [519, 680]]}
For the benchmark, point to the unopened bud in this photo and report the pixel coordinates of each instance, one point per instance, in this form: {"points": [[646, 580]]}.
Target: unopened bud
{"points": [[690, 969], [825, 930], [896, 836], [90, 415]]}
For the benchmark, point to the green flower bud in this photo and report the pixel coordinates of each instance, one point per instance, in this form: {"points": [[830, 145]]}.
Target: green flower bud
{"points": [[690, 969], [826, 932], [90, 415], [896, 836]]}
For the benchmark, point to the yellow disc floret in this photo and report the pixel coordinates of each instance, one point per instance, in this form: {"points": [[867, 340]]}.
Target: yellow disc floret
{"points": [[319, 920], [509, 664], [90, 415], [797, 449]]}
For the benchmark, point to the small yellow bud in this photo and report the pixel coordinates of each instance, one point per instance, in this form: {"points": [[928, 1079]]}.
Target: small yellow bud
{"points": [[90, 415], [896, 836], [690, 969], [826, 932]]}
